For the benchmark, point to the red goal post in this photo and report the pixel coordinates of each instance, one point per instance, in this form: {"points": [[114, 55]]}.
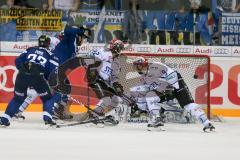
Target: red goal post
{"points": [[195, 70]]}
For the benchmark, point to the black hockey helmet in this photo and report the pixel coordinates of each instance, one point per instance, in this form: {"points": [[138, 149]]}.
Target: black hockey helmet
{"points": [[44, 41], [86, 32]]}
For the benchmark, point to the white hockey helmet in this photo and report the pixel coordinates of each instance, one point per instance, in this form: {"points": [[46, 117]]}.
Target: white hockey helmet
{"points": [[116, 46], [140, 64]]}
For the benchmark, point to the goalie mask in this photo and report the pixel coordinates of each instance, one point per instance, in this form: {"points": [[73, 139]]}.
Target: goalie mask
{"points": [[140, 65], [116, 46]]}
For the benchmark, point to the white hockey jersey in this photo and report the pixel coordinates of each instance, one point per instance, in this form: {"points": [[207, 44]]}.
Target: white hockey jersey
{"points": [[109, 68], [159, 76]]}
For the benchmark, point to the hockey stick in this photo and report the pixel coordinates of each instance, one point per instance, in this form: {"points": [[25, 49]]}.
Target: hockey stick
{"points": [[80, 103], [95, 121], [97, 115]]}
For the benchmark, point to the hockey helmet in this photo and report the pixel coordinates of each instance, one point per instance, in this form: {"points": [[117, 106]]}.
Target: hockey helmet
{"points": [[44, 41], [140, 64], [116, 46], [83, 35]]}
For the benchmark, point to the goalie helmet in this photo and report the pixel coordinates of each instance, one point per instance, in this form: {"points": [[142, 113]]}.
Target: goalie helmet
{"points": [[140, 64], [116, 46], [44, 41]]}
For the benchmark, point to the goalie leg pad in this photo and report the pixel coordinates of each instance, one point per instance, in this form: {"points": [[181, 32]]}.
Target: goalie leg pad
{"points": [[183, 94], [198, 113]]}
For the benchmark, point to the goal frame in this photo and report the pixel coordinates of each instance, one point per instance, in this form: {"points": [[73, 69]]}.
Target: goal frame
{"points": [[208, 109]]}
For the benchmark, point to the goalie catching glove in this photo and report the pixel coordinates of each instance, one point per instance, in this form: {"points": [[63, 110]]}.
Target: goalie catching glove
{"points": [[118, 88]]}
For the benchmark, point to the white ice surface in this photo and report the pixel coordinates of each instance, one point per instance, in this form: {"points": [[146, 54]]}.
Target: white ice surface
{"points": [[29, 140]]}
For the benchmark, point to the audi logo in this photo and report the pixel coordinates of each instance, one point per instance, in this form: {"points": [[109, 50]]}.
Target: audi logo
{"points": [[143, 49], [183, 50], [221, 51], [3, 74]]}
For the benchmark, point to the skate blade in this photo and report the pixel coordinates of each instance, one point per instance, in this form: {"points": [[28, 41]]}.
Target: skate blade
{"points": [[19, 119], [49, 127], [157, 129], [98, 125], [209, 131]]}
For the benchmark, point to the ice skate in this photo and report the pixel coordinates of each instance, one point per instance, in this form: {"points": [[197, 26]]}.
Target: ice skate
{"points": [[209, 127], [155, 123], [19, 117], [50, 124], [110, 120], [3, 123]]}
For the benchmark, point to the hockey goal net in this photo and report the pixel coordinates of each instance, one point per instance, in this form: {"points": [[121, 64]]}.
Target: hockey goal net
{"points": [[195, 70]]}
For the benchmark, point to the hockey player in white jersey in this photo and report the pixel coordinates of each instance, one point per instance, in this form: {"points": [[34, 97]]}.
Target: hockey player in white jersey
{"points": [[102, 77], [158, 77]]}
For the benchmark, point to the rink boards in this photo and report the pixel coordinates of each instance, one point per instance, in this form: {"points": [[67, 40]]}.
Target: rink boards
{"points": [[225, 71]]}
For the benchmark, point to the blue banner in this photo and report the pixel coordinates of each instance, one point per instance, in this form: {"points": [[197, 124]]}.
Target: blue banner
{"points": [[230, 29]]}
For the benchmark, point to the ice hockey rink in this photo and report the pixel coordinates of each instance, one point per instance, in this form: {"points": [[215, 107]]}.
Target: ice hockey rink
{"points": [[30, 140]]}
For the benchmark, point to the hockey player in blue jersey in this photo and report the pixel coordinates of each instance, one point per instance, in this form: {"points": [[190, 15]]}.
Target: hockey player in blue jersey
{"points": [[66, 49], [34, 65], [73, 37]]}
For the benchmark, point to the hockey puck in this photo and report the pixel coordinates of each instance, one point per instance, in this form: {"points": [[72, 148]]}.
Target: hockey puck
{"points": [[195, 76]]}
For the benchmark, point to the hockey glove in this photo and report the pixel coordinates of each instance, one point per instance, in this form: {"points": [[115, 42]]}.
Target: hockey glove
{"points": [[118, 88]]}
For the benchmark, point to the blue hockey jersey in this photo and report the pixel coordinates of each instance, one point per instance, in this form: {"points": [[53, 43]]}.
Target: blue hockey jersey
{"points": [[41, 56], [67, 47]]}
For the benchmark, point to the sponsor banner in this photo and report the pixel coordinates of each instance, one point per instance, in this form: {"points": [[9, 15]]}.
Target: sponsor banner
{"points": [[221, 51], [202, 50], [213, 51], [16, 47], [85, 48], [92, 17], [8, 74], [225, 90], [32, 19], [173, 49], [140, 49], [236, 51], [230, 29]]}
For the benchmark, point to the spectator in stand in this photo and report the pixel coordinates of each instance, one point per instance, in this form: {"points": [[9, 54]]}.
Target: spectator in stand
{"points": [[133, 23], [9, 4], [24, 3], [199, 17], [228, 5], [72, 5], [91, 4], [237, 9]]}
